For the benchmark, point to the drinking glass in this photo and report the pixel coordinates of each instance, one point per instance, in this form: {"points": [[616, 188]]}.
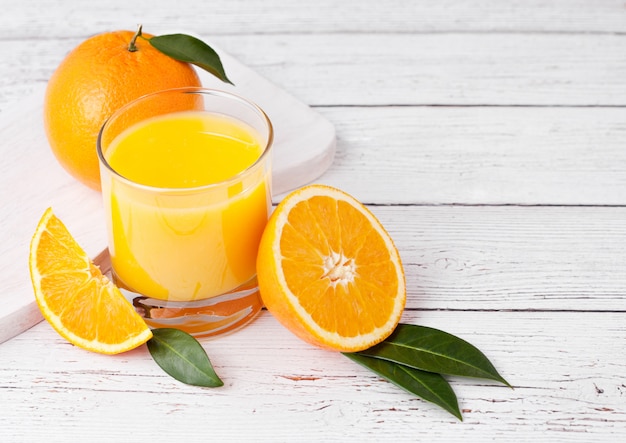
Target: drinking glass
{"points": [[186, 185]]}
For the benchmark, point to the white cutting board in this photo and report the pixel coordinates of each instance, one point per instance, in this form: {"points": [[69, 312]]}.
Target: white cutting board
{"points": [[31, 180]]}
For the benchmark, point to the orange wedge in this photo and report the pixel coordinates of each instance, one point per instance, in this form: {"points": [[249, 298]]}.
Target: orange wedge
{"points": [[329, 272], [73, 295]]}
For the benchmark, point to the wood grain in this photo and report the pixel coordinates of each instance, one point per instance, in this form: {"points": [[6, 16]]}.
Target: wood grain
{"points": [[274, 395], [320, 17], [481, 155], [439, 69], [511, 258], [487, 136]]}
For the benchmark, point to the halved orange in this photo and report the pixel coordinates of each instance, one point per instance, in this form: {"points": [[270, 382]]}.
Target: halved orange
{"points": [[80, 303], [329, 271]]}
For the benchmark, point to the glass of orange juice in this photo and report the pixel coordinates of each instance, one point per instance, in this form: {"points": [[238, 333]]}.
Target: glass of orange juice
{"points": [[186, 183]]}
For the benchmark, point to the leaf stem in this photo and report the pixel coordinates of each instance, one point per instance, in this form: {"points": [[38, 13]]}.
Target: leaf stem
{"points": [[132, 47]]}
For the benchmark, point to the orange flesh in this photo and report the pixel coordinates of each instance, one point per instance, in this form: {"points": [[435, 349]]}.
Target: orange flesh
{"points": [[325, 264]]}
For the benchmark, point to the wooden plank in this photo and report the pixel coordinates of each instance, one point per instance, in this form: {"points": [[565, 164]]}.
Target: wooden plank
{"points": [[415, 155], [323, 16], [482, 258], [280, 389], [511, 258], [428, 69], [484, 155], [442, 69]]}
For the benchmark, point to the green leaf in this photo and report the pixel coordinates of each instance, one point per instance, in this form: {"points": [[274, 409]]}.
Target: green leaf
{"points": [[426, 385], [186, 48], [436, 351], [182, 357]]}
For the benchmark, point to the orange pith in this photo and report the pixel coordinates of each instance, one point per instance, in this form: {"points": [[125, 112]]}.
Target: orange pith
{"points": [[80, 303], [94, 80], [329, 272]]}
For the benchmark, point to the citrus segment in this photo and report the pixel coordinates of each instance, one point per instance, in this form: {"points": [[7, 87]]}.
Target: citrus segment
{"points": [[329, 271], [80, 303]]}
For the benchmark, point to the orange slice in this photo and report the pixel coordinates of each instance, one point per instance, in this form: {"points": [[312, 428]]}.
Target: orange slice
{"points": [[73, 295], [329, 272]]}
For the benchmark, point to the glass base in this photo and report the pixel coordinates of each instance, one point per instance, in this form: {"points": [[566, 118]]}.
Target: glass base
{"points": [[200, 318]]}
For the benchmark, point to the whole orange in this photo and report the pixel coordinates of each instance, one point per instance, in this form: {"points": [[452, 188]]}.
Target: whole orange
{"points": [[93, 81]]}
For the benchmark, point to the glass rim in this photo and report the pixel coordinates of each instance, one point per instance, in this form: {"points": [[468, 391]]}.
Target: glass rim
{"points": [[191, 189]]}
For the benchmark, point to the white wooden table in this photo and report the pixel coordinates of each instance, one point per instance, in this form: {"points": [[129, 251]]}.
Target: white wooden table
{"points": [[490, 139]]}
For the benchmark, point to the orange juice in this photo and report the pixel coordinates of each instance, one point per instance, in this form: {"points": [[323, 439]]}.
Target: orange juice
{"points": [[185, 220]]}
